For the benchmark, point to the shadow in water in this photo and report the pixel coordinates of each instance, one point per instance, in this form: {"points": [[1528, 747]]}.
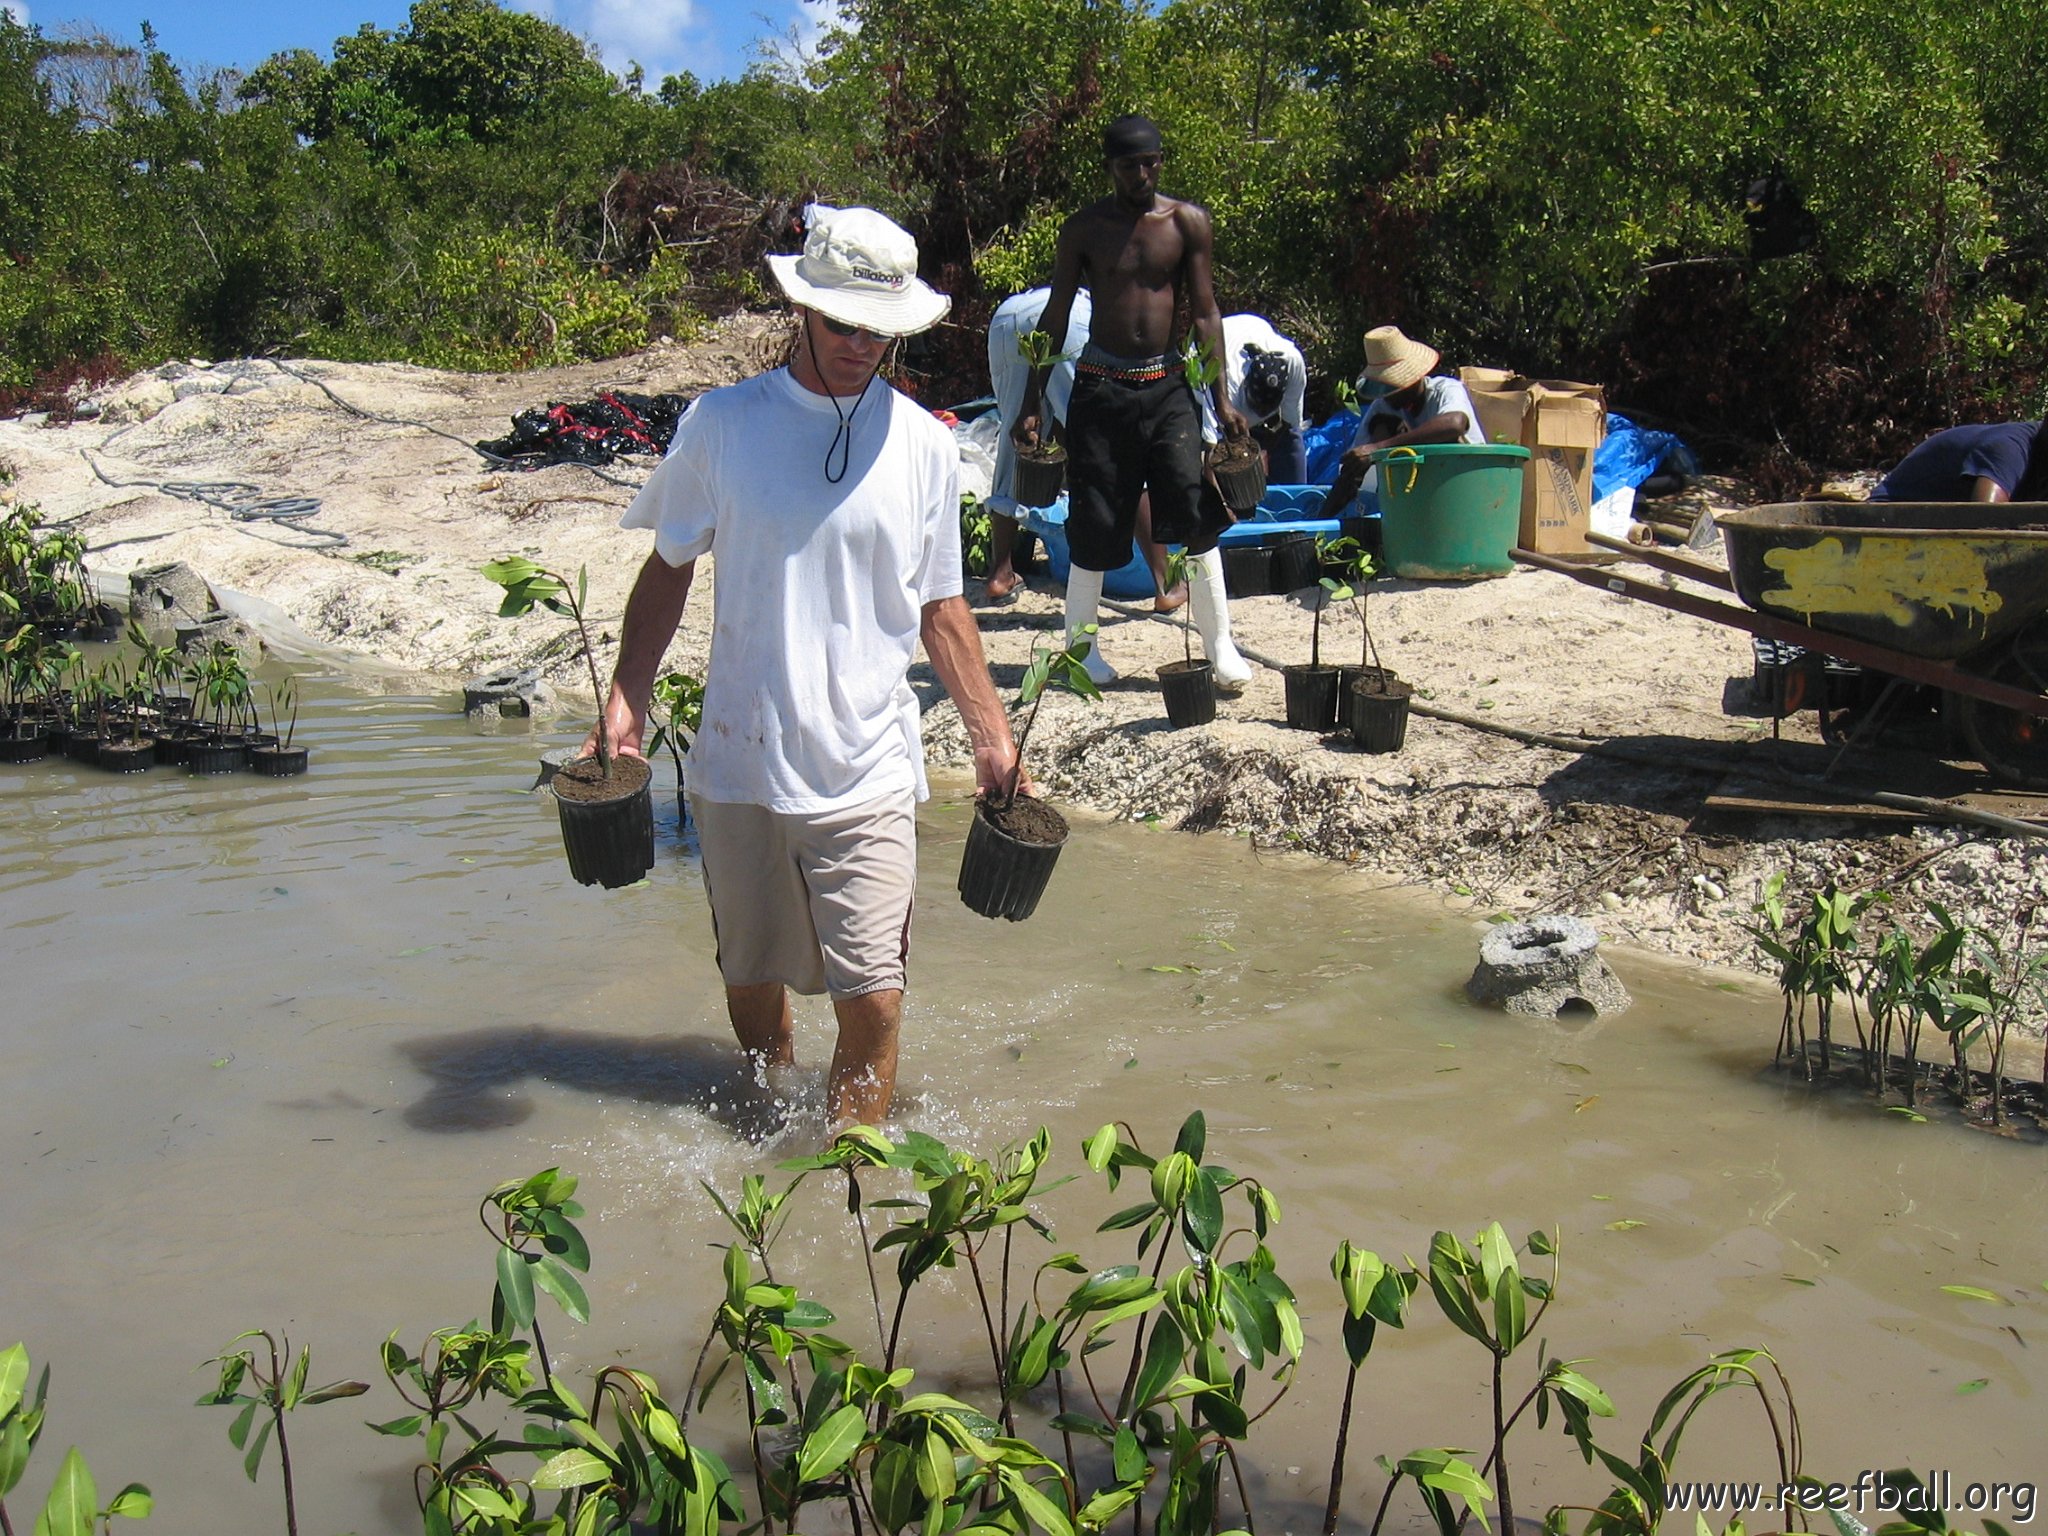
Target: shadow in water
{"points": [[475, 1076]]}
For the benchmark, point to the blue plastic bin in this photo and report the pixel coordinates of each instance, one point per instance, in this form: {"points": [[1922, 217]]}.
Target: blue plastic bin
{"points": [[1278, 512]]}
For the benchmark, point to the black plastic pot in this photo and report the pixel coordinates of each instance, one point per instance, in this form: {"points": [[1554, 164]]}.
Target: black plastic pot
{"points": [[1348, 678], [1038, 480], [1242, 481], [1189, 689], [18, 746], [1379, 714], [214, 755], [1247, 570], [610, 842], [1003, 876], [174, 746], [131, 755], [1311, 698], [278, 762], [1294, 562]]}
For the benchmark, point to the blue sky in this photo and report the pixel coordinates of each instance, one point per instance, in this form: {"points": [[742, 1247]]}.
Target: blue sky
{"points": [[713, 39]]}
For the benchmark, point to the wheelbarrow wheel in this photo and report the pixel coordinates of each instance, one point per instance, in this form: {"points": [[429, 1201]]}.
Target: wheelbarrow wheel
{"points": [[2011, 744]]}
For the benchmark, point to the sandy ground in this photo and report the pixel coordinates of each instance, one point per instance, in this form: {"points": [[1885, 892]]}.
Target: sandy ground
{"points": [[1487, 820]]}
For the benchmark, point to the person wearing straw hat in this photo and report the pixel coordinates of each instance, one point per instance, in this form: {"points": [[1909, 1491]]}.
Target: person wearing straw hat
{"points": [[1408, 405], [829, 505], [1133, 424]]}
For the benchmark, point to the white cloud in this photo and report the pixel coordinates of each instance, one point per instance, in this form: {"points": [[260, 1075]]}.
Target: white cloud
{"points": [[656, 33]]}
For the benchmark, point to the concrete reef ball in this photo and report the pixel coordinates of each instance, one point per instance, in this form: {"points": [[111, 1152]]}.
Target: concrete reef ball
{"points": [[1544, 967]]}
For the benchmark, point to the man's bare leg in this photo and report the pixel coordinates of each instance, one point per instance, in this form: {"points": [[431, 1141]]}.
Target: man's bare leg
{"points": [[760, 1018], [864, 1063], [1002, 577], [1155, 556]]}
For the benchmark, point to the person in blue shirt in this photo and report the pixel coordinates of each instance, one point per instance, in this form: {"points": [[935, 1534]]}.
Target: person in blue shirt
{"points": [[2000, 461]]}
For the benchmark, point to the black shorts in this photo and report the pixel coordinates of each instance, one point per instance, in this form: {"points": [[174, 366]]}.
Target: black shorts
{"points": [[1123, 439]]}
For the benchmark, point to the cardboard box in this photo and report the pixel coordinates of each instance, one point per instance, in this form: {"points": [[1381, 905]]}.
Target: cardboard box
{"points": [[1561, 424]]}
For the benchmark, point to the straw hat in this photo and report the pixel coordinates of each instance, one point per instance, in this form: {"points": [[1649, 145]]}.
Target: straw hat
{"points": [[860, 268], [1393, 361]]}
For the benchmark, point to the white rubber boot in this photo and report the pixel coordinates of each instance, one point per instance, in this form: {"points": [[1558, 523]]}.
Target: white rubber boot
{"points": [[1212, 622], [1084, 602]]}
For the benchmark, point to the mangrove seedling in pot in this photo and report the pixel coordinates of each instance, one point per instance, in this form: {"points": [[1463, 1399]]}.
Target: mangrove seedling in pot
{"points": [[1015, 839], [1312, 691], [1237, 464], [604, 803], [1042, 465], [1188, 686]]}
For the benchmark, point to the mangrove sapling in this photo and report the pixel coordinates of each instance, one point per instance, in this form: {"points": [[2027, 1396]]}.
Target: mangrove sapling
{"points": [[246, 1383], [533, 1221], [73, 1506], [1484, 1294], [977, 534], [1374, 1293], [454, 1368], [527, 585], [1439, 1472], [680, 698], [284, 709]]}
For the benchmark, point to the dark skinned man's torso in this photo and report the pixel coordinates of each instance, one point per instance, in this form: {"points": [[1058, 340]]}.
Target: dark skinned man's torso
{"points": [[1134, 265]]}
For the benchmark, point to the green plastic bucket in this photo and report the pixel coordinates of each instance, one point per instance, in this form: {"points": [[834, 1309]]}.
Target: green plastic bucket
{"points": [[1451, 511]]}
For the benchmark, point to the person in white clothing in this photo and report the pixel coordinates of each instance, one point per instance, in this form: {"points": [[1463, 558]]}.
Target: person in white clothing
{"points": [[829, 505], [1008, 374], [1267, 379], [1409, 406]]}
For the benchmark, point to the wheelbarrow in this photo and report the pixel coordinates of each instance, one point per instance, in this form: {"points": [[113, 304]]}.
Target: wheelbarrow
{"points": [[1952, 595]]}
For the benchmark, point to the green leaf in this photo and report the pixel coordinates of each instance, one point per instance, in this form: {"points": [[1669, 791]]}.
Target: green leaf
{"points": [[1043, 1513], [73, 1500], [132, 1503], [404, 1428], [13, 1377], [238, 1431], [14, 1449], [1626, 1224], [552, 1277], [936, 1478], [1100, 1147], [515, 1288], [832, 1444], [334, 1390], [1973, 1386], [573, 1468], [1975, 1293], [254, 1458]]}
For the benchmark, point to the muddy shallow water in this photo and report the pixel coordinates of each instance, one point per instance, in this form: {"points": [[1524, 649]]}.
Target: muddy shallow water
{"points": [[267, 1043]]}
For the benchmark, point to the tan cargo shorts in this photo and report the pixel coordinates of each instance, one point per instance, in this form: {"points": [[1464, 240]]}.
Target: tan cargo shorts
{"points": [[819, 902]]}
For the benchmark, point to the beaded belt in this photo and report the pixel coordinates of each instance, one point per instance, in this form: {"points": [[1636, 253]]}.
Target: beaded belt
{"points": [[1124, 370]]}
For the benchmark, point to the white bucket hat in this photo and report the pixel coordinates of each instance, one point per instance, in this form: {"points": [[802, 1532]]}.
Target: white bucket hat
{"points": [[860, 268], [1394, 361]]}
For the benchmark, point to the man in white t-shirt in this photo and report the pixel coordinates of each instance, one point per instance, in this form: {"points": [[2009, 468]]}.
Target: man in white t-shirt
{"points": [[1408, 406], [829, 504]]}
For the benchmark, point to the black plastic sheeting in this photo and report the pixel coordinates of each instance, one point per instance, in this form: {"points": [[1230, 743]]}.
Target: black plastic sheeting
{"points": [[592, 432]]}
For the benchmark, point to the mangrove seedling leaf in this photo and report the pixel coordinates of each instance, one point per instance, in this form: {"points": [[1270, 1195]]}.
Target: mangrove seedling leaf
{"points": [[132, 1503], [1974, 1293], [515, 1287], [573, 1468], [73, 1501], [833, 1444]]}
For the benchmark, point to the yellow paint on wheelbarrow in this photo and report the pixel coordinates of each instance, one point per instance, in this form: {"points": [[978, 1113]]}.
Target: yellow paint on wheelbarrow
{"points": [[1895, 579]]}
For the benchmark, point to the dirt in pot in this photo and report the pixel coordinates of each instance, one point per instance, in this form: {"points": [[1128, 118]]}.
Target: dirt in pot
{"points": [[582, 782], [1027, 820]]}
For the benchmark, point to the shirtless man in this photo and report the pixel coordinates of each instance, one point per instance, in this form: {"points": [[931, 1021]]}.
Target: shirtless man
{"points": [[1133, 423]]}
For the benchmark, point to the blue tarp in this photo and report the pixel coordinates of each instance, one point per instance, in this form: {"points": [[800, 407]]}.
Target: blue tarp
{"points": [[1630, 454], [1326, 445]]}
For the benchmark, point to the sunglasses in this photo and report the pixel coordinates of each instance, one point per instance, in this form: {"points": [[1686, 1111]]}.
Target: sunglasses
{"points": [[841, 328]]}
